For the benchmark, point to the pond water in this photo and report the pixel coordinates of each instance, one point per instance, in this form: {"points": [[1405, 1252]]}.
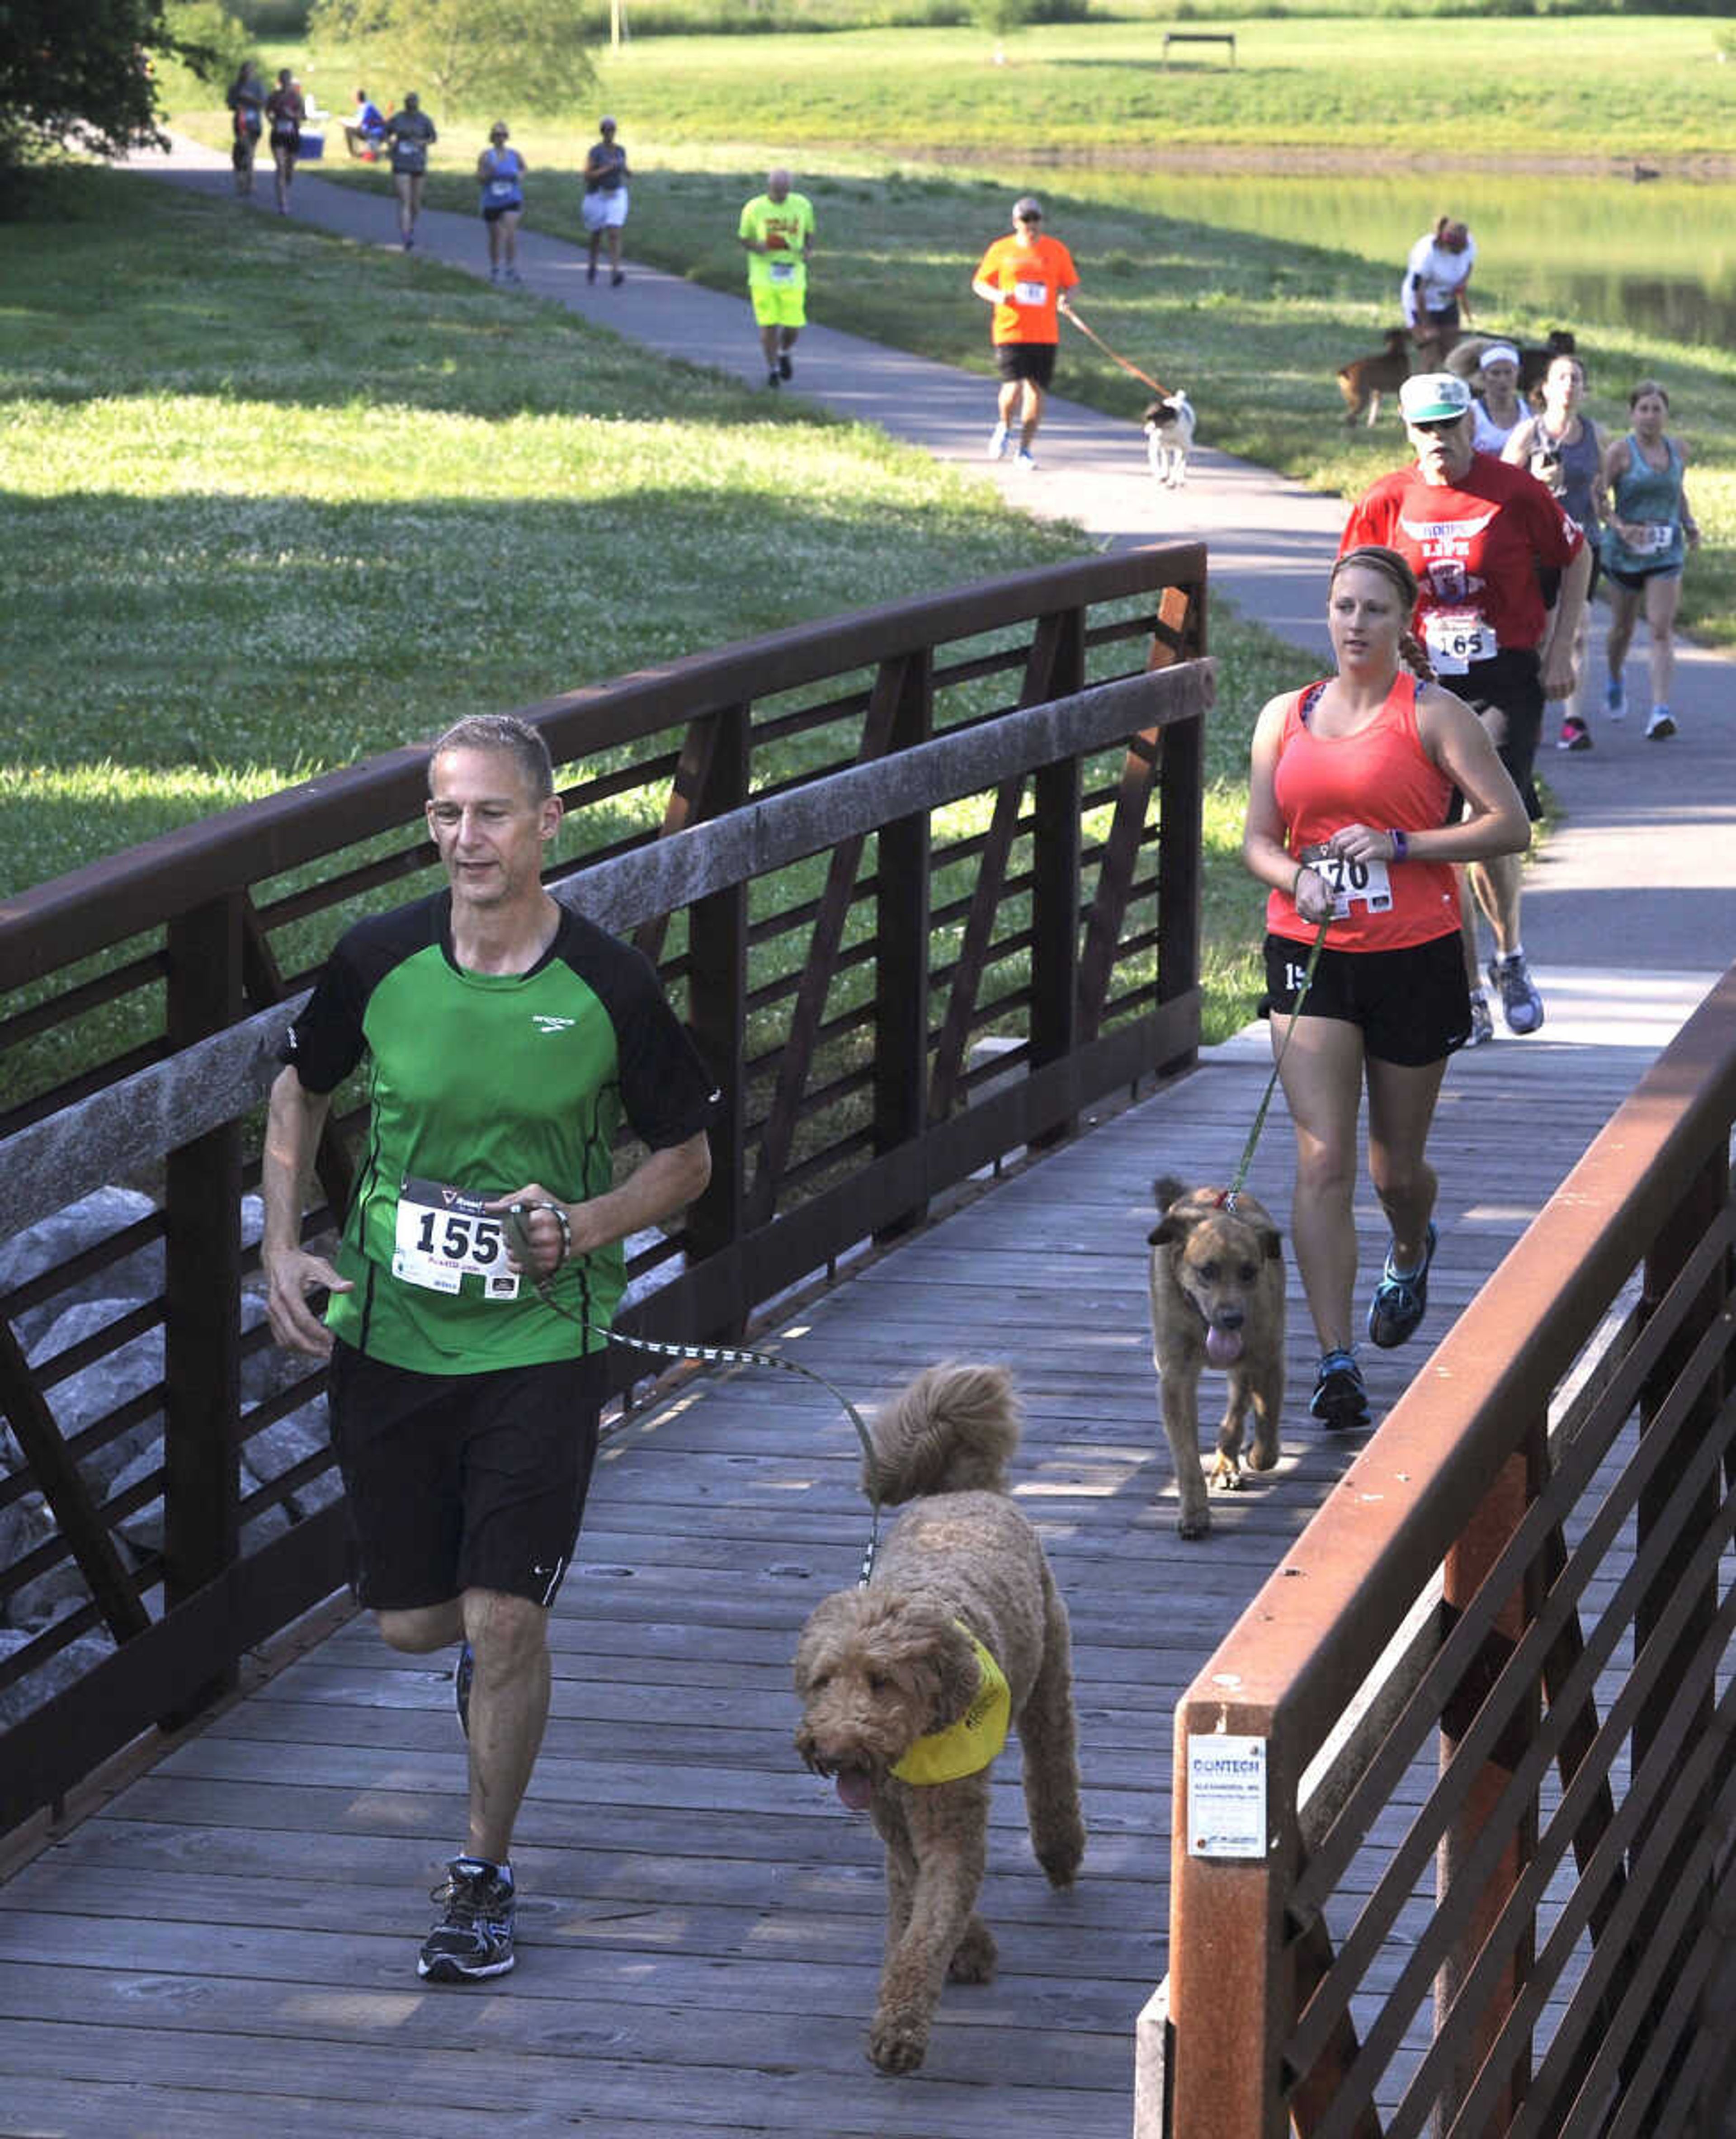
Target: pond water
{"points": [[1657, 255]]}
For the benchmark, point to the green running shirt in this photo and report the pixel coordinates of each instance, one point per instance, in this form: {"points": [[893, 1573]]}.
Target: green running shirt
{"points": [[482, 1082]]}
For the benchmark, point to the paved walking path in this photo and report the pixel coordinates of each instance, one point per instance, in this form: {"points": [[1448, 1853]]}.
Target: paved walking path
{"points": [[1638, 881]]}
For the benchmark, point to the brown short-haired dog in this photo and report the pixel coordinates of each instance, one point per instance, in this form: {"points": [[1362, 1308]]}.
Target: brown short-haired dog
{"points": [[1217, 1299], [1365, 379], [909, 1685]]}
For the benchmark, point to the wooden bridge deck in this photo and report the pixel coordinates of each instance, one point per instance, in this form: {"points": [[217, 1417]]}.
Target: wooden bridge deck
{"points": [[227, 1946]]}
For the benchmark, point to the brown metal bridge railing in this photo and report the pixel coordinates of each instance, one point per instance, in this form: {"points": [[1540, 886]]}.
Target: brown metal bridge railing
{"points": [[1474, 1736], [854, 849]]}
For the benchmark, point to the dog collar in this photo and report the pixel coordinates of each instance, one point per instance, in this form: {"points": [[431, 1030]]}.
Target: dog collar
{"points": [[968, 1746]]}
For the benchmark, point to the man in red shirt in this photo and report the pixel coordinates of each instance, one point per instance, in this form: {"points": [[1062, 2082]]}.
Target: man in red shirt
{"points": [[1026, 277], [1476, 532]]}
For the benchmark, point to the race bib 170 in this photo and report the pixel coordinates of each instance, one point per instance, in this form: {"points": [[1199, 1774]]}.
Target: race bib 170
{"points": [[1352, 883]]}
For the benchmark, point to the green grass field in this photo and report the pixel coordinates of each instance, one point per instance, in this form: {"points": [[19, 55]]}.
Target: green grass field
{"points": [[279, 504], [1589, 86]]}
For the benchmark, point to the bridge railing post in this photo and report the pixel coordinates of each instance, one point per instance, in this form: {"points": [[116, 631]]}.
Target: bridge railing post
{"points": [[1235, 1846], [202, 1283]]}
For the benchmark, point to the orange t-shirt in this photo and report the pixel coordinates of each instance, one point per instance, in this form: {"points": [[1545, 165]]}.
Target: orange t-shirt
{"points": [[1030, 277]]}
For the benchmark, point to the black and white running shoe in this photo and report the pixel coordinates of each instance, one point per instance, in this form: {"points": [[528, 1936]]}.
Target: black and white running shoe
{"points": [[473, 1938]]}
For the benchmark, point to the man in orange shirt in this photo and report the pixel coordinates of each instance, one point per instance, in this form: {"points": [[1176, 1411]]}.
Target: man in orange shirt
{"points": [[1026, 277]]}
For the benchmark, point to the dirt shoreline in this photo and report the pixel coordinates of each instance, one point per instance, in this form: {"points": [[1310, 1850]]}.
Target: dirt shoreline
{"points": [[1303, 162]]}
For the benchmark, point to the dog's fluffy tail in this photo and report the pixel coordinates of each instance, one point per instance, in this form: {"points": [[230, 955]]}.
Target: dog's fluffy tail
{"points": [[953, 1430]]}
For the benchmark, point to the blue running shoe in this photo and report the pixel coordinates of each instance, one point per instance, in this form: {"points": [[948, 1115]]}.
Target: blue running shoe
{"points": [[1340, 1402], [1400, 1299]]}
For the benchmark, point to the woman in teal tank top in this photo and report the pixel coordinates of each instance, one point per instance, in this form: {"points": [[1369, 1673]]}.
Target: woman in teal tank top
{"points": [[1649, 526]]}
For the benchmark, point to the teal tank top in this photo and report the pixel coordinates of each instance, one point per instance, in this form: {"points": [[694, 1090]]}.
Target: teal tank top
{"points": [[1654, 496]]}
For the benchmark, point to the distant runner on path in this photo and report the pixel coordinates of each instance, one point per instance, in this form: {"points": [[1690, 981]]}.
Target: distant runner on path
{"points": [[605, 205], [777, 230], [411, 133], [1026, 277]]}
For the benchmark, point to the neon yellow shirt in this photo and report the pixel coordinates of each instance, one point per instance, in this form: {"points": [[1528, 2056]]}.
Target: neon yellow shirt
{"points": [[787, 226]]}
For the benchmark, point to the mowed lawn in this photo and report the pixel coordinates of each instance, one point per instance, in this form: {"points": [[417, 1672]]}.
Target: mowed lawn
{"points": [[1463, 89], [278, 504]]}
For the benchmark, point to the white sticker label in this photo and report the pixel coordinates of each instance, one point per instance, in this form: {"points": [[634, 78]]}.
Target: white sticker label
{"points": [[1030, 293], [442, 1232], [1655, 536], [782, 270], [1457, 637], [1226, 1796], [1365, 884]]}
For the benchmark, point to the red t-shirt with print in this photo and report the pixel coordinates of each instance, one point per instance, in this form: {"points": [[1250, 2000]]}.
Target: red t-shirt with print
{"points": [[1475, 546]]}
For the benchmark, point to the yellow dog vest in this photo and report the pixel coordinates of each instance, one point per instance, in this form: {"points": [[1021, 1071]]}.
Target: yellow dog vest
{"points": [[968, 1746]]}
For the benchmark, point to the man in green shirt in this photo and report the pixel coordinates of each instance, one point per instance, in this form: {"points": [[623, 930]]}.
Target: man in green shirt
{"points": [[506, 1038], [777, 231]]}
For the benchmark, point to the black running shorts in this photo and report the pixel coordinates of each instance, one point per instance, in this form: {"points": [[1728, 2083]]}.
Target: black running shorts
{"points": [[1034, 360], [1413, 1006], [464, 1481], [1635, 582], [1507, 695]]}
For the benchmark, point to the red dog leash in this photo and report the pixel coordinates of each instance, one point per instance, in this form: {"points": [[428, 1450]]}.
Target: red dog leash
{"points": [[1091, 335]]}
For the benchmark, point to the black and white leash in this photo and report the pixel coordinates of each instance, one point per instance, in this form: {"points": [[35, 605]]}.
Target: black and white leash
{"points": [[517, 1221]]}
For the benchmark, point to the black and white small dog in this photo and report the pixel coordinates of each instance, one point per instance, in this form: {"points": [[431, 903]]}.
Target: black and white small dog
{"points": [[1169, 435]]}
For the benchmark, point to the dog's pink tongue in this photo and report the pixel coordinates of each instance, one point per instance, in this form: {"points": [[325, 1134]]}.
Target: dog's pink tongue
{"points": [[1223, 1347], [854, 1789]]}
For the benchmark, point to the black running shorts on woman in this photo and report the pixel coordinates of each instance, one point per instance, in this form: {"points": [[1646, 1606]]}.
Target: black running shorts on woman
{"points": [[1413, 1005]]}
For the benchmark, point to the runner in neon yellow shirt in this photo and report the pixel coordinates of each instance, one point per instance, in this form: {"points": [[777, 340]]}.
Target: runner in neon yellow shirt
{"points": [[777, 231]]}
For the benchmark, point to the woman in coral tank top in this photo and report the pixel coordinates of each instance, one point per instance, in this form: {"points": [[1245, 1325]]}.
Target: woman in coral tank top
{"points": [[1363, 791]]}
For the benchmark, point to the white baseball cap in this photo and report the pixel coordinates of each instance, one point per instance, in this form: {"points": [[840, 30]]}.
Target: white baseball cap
{"points": [[1434, 396]]}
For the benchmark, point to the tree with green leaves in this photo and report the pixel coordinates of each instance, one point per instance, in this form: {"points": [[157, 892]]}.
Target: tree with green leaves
{"points": [[82, 72], [1001, 17], [527, 55]]}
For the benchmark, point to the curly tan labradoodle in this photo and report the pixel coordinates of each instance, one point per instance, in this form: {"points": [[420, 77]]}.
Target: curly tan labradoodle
{"points": [[909, 1687]]}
